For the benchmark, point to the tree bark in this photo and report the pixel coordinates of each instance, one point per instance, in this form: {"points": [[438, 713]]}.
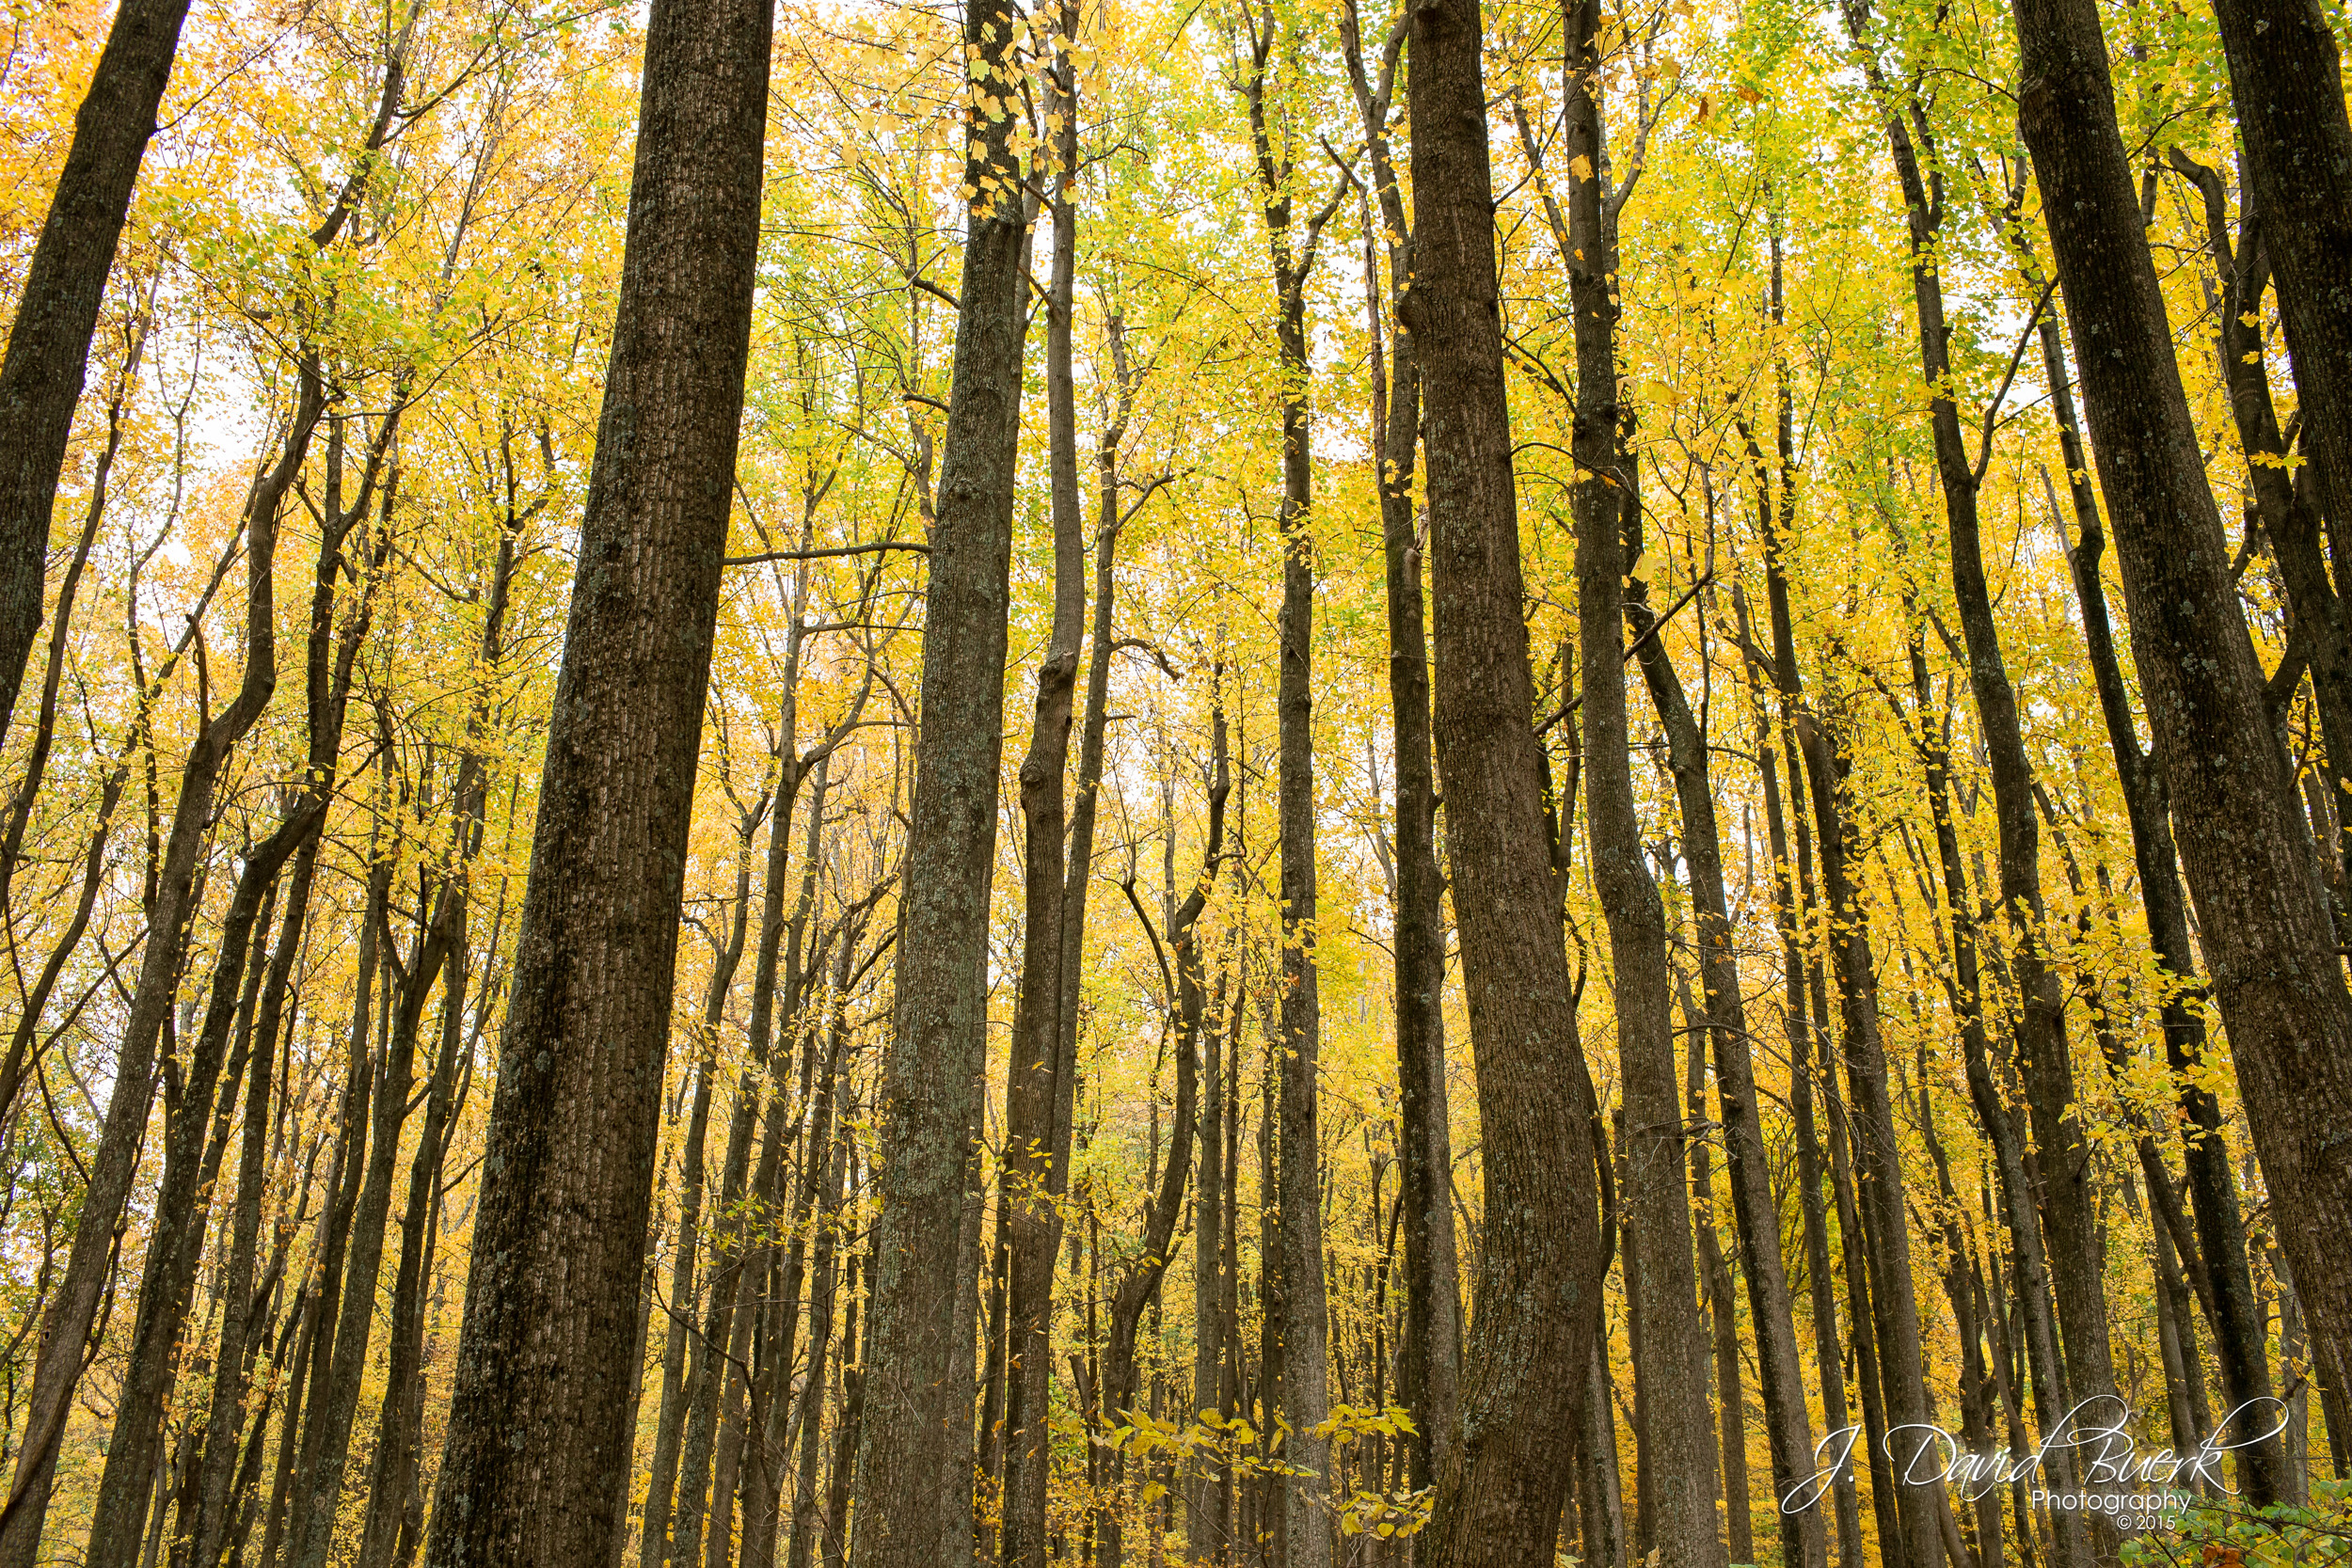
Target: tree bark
{"points": [[2268, 933], [534, 1471], [1678, 1470], [48, 350], [916, 1419], [1499, 1498], [1028, 1219], [1429, 1376]]}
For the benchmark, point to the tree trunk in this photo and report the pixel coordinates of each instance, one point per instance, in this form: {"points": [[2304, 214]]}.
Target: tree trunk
{"points": [[1499, 1498], [1679, 1473], [2269, 932], [916, 1418], [2211, 1178], [535, 1470], [1431, 1369], [1787, 1423], [1300, 1313], [1028, 1220], [47, 351]]}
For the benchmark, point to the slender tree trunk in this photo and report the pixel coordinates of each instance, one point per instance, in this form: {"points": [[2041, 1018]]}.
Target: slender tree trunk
{"points": [[2269, 932], [1679, 1473], [535, 1471], [1499, 1500], [2211, 1177], [916, 1419], [1302, 1313], [1723, 1319], [1787, 1424], [1029, 1231], [1431, 1370]]}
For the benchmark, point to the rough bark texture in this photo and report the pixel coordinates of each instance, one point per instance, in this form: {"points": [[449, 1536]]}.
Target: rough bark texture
{"points": [[1430, 1370], [1499, 1494], [535, 1470], [2268, 934], [917, 1417], [40, 379]]}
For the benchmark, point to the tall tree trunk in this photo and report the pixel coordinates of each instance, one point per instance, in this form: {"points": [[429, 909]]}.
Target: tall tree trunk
{"points": [[1499, 1499], [916, 1420], [2269, 932], [1679, 1473], [2075, 1266], [1788, 1426], [48, 350], [1300, 1310], [1431, 1369], [534, 1471], [2211, 1177], [1030, 1232]]}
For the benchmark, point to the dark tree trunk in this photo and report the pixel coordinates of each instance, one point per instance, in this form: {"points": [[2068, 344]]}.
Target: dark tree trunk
{"points": [[2267, 927], [1028, 1219], [1788, 1425], [2287, 90], [1431, 1369], [2212, 1179], [917, 1417], [2064, 1155], [1679, 1478], [536, 1467], [48, 351], [1500, 1495], [1300, 1310]]}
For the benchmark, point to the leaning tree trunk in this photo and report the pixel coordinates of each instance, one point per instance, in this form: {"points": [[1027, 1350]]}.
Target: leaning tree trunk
{"points": [[48, 351], [2268, 933], [1788, 1426], [1498, 1501], [2238, 1331], [536, 1467], [916, 1420]]}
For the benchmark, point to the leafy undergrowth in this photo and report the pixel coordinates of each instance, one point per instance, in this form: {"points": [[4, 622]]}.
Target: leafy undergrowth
{"points": [[2223, 1536]]}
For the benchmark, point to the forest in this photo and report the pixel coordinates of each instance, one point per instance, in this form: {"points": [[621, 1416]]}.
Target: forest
{"points": [[1175, 783]]}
